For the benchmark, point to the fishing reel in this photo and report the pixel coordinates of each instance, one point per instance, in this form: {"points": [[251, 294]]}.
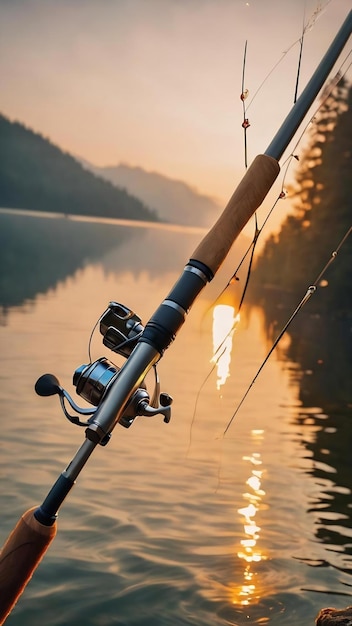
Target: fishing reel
{"points": [[121, 329]]}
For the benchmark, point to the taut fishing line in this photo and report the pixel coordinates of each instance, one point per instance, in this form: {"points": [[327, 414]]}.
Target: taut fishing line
{"points": [[300, 56], [282, 195], [305, 28], [245, 125], [311, 289], [310, 24]]}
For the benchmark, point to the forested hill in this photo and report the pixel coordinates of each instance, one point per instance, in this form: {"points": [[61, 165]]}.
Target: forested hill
{"points": [[36, 175], [293, 260]]}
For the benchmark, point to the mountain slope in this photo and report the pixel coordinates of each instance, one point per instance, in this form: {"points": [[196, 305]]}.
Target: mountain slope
{"points": [[37, 175], [174, 200]]}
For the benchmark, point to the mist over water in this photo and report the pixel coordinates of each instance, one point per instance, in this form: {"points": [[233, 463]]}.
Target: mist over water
{"points": [[170, 524]]}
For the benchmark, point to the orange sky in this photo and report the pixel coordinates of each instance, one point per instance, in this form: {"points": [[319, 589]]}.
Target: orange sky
{"points": [[156, 83]]}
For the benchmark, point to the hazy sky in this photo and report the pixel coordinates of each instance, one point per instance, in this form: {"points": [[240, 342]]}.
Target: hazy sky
{"points": [[157, 83]]}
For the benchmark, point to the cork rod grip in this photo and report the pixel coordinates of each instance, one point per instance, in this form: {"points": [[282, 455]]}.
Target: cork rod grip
{"points": [[20, 556], [248, 196]]}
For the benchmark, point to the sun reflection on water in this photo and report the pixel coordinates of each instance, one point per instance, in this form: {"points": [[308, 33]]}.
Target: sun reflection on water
{"points": [[250, 551], [224, 324]]}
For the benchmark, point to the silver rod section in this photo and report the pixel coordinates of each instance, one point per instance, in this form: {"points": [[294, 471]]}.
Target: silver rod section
{"points": [[133, 371], [306, 99]]}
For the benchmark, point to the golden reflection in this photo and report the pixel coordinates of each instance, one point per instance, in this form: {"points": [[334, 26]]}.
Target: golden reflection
{"points": [[224, 323], [250, 551]]}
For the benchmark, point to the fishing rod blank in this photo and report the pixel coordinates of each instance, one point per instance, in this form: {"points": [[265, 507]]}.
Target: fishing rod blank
{"points": [[124, 395], [308, 95]]}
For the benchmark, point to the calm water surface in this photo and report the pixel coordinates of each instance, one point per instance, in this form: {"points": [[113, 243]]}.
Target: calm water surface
{"points": [[169, 524]]}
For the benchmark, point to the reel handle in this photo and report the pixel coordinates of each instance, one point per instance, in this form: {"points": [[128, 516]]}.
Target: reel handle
{"points": [[20, 556]]}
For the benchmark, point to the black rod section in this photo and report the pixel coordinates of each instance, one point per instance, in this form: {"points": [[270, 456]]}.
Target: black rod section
{"points": [[47, 513], [306, 99]]}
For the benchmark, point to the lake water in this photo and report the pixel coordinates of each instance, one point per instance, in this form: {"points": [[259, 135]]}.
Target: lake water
{"points": [[170, 524]]}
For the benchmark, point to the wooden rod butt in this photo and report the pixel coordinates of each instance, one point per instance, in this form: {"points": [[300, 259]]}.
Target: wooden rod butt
{"points": [[19, 557]]}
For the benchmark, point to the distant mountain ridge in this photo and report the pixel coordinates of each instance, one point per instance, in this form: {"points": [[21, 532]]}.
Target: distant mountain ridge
{"points": [[36, 175], [174, 200]]}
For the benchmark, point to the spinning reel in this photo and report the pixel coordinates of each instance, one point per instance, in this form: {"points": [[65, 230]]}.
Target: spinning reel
{"points": [[121, 328]]}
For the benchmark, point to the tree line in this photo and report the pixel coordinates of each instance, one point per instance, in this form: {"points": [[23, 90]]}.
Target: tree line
{"points": [[293, 259]]}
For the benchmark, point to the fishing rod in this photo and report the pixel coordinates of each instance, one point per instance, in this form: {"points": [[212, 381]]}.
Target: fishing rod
{"points": [[119, 395]]}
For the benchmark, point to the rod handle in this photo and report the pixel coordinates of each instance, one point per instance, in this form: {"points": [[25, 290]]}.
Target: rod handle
{"points": [[19, 557], [248, 196]]}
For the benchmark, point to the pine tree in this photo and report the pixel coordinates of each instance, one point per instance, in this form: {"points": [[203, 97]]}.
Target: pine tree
{"points": [[322, 212]]}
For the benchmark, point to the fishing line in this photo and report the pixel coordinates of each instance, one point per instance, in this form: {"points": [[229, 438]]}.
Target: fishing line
{"points": [[333, 256], [309, 26], [300, 55], [305, 27], [91, 339], [282, 195], [244, 95], [245, 125], [197, 400], [121, 344], [250, 249], [311, 289]]}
